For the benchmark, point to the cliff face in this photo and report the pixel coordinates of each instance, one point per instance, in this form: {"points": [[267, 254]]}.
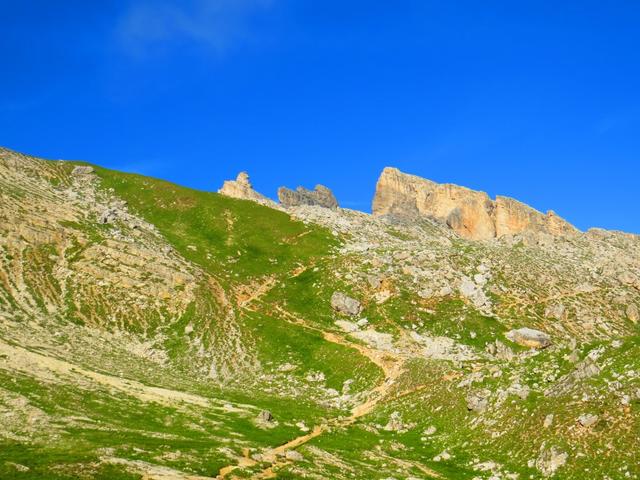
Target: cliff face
{"points": [[470, 213], [512, 216]]}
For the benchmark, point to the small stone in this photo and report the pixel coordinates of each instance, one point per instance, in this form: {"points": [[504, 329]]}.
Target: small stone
{"points": [[548, 421], [399, 256], [302, 426], [573, 357], [315, 377], [430, 430], [468, 288], [265, 416], [480, 279], [294, 456], [363, 322], [286, 367], [374, 281], [445, 291], [425, 293], [549, 461], [627, 278], [443, 456], [395, 423], [521, 391], [477, 402], [588, 420], [17, 467], [556, 311], [474, 293], [346, 386], [108, 216], [346, 326], [82, 170]]}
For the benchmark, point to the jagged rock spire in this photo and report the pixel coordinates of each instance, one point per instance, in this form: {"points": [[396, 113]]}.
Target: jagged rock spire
{"points": [[241, 188], [320, 196]]}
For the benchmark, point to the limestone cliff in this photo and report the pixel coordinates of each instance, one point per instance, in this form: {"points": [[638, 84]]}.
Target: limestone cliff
{"points": [[472, 214], [241, 188], [320, 196]]}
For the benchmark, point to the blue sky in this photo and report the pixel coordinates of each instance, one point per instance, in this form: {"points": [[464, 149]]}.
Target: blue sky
{"points": [[538, 100]]}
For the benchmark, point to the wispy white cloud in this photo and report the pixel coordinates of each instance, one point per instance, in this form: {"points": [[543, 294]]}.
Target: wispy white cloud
{"points": [[617, 121], [606, 124], [148, 26]]}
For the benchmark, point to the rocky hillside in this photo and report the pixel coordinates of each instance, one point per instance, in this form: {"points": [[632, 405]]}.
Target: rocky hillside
{"points": [[152, 331]]}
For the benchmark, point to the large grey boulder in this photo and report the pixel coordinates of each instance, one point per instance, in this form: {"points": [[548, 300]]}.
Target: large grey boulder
{"points": [[344, 304], [528, 337], [474, 294]]}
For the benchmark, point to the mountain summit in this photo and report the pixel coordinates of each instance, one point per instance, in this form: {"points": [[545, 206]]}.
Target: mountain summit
{"points": [[470, 213]]}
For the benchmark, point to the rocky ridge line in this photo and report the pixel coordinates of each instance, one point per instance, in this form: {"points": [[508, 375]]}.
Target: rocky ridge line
{"points": [[470, 213], [241, 188], [320, 196]]}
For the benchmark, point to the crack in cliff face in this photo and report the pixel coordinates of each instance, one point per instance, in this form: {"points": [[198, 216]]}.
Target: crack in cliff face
{"points": [[470, 213]]}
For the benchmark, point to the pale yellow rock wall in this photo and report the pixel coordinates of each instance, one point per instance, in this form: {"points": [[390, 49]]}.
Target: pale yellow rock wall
{"points": [[472, 214]]}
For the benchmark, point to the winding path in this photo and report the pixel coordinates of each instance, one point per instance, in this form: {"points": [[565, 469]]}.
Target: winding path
{"points": [[392, 364]]}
